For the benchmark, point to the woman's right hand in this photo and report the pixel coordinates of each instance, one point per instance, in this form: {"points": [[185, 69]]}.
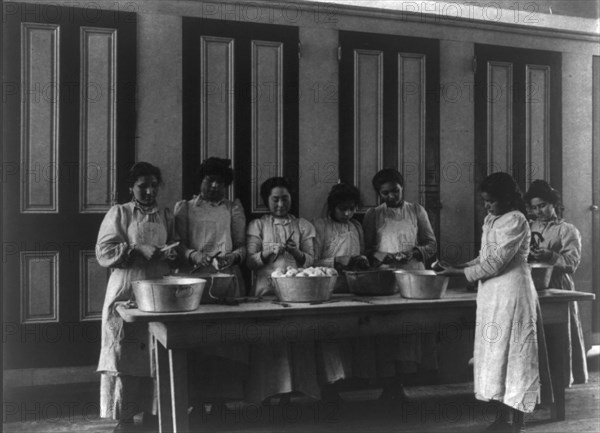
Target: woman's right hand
{"points": [[358, 262], [145, 250], [271, 250], [200, 260]]}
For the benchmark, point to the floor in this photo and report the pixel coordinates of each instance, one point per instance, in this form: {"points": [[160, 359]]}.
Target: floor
{"points": [[435, 408]]}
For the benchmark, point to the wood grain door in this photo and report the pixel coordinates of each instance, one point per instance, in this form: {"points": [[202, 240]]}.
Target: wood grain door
{"points": [[389, 115], [70, 120], [517, 117], [240, 101]]}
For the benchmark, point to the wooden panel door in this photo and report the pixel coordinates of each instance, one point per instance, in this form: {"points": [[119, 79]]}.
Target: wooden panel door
{"points": [[70, 125], [389, 115], [240, 101], [517, 117]]}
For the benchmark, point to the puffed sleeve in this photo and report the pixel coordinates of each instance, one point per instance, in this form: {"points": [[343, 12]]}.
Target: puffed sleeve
{"points": [[238, 230], [426, 242], [567, 259], [254, 244], [307, 240], [113, 249], [182, 229], [369, 226], [510, 233], [320, 243]]}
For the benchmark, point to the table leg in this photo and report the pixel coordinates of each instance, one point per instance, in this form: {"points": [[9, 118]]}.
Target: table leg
{"points": [[558, 341], [179, 390], [165, 424]]}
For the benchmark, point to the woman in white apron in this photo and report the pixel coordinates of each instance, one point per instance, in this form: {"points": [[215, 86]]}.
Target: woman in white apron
{"points": [[275, 241], [340, 244], [129, 241], [206, 225], [561, 247], [506, 361], [398, 235]]}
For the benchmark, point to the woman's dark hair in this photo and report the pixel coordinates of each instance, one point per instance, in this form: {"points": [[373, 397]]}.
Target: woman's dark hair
{"points": [[503, 188], [216, 167], [341, 193], [542, 189], [140, 169], [273, 182], [387, 175]]}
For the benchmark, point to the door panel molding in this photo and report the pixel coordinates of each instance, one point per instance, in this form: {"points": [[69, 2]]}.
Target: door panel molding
{"points": [[40, 72], [537, 109], [368, 121], [266, 108], [97, 119], [39, 286], [412, 118], [500, 114], [217, 98]]}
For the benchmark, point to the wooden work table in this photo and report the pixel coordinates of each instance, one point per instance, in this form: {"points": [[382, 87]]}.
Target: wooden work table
{"points": [[263, 321]]}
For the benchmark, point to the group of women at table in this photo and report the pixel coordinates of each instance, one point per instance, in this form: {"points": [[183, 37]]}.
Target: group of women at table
{"points": [[395, 234]]}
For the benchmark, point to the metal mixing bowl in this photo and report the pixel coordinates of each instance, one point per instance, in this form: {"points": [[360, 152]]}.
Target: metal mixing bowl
{"points": [[372, 283], [219, 286], [168, 295], [541, 273], [421, 284], [304, 289]]}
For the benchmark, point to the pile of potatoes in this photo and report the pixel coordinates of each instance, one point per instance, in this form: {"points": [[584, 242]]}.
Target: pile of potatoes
{"points": [[318, 271]]}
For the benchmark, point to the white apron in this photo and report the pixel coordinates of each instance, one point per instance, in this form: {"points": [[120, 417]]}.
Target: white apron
{"points": [[397, 236], [207, 229], [125, 347]]}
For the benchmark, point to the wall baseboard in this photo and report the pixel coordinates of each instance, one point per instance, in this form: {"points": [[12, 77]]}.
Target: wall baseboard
{"points": [[49, 376]]}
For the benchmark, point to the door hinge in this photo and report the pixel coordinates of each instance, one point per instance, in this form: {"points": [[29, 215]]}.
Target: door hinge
{"points": [[299, 50], [474, 64], [339, 53]]}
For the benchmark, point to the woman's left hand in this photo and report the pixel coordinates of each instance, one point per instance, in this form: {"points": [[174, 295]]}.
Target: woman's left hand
{"points": [[542, 255], [292, 248], [451, 271], [169, 255], [227, 260]]}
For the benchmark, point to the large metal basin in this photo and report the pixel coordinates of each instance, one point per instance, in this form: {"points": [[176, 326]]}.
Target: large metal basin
{"points": [[304, 289], [421, 284], [372, 283], [541, 273], [168, 295], [219, 286]]}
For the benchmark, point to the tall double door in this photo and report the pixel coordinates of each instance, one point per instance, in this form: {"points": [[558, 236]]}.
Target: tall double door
{"points": [[69, 131]]}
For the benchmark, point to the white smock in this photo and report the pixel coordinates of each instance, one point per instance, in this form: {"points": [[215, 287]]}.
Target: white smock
{"points": [[125, 354], [564, 240], [506, 365]]}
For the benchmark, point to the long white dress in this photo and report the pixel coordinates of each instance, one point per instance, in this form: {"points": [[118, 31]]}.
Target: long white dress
{"points": [[506, 344], [125, 356], [564, 240]]}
